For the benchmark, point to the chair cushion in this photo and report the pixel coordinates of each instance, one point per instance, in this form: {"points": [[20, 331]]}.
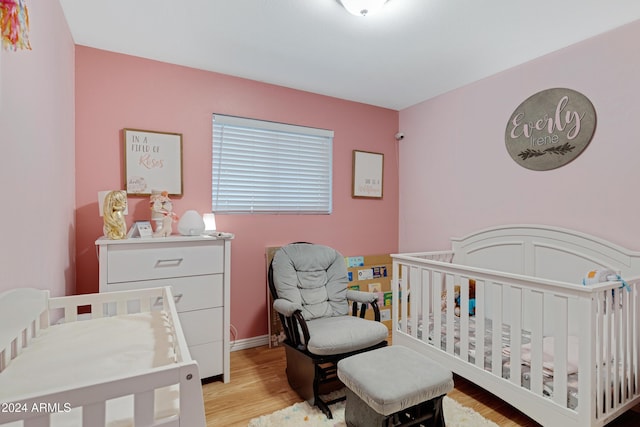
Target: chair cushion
{"points": [[314, 276], [337, 335]]}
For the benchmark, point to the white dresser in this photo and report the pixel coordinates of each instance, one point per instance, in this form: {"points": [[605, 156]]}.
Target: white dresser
{"points": [[197, 268]]}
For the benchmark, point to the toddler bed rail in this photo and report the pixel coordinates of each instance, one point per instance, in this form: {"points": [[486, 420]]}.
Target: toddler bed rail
{"points": [[561, 352], [34, 326]]}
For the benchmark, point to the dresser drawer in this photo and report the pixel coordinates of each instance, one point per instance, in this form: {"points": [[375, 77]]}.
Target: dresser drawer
{"points": [[210, 358], [190, 293], [202, 326], [133, 262]]}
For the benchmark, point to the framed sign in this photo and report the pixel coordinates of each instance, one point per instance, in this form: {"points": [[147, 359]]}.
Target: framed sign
{"points": [[140, 229], [153, 161], [367, 174], [550, 129]]}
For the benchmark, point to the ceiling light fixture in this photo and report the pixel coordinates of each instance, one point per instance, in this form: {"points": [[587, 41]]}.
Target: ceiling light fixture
{"points": [[362, 7]]}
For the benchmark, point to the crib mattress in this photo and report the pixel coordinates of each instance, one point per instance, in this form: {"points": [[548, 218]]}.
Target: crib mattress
{"points": [[88, 352]]}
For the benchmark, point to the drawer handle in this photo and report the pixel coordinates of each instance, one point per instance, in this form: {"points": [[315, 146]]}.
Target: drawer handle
{"points": [[176, 299], [169, 262]]}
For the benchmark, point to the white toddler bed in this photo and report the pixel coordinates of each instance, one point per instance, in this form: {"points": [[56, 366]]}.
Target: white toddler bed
{"points": [[125, 363], [562, 352]]}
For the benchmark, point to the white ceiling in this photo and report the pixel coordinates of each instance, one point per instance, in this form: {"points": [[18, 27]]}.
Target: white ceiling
{"points": [[411, 51]]}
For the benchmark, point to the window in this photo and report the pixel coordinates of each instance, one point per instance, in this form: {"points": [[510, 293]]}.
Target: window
{"points": [[267, 167]]}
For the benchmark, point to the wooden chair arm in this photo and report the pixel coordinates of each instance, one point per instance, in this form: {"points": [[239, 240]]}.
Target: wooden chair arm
{"points": [[363, 310], [292, 331], [299, 319]]}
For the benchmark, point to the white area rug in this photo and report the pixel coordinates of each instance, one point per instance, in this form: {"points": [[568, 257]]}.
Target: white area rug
{"points": [[305, 415]]}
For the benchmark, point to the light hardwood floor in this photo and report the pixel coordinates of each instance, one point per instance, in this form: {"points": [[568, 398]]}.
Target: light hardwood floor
{"points": [[259, 386]]}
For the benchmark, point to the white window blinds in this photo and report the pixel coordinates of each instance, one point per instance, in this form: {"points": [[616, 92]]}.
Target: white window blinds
{"points": [[267, 167]]}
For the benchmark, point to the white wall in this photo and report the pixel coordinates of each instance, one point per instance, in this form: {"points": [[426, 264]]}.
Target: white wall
{"points": [[37, 162], [457, 177]]}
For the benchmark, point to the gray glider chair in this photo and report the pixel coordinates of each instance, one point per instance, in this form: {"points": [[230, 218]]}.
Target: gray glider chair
{"points": [[308, 283]]}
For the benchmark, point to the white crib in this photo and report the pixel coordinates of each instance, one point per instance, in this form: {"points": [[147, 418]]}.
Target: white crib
{"points": [[125, 363], [579, 343]]}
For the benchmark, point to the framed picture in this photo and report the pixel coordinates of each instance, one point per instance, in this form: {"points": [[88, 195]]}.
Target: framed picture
{"points": [[153, 161], [367, 174], [140, 229]]}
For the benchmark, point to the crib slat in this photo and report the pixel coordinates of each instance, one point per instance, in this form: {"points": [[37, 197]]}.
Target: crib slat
{"points": [[404, 283], [429, 333], [121, 307], [395, 300], [599, 352], [4, 357], [516, 336], [588, 349], [450, 327], [70, 312], [625, 327], [145, 305], [17, 345], [437, 318], [464, 317], [26, 340], [143, 408], [480, 323], [496, 345], [635, 334], [537, 334], [35, 331], [37, 422], [94, 414], [616, 364], [427, 297], [608, 357], [14, 348], [97, 311], [624, 373], [628, 373], [560, 347], [629, 345], [416, 288]]}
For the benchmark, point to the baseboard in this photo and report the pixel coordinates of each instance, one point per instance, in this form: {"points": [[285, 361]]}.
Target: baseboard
{"points": [[246, 343]]}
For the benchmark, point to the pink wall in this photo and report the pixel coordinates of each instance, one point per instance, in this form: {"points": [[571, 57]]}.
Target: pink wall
{"points": [[116, 91], [457, 177], [37, 157]]}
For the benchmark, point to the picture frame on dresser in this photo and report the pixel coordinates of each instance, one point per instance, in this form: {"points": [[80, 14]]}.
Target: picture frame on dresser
{"points": [[140, 229]]}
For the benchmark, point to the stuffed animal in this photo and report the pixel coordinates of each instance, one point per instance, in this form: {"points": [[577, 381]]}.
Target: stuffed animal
{"points": [[472, 298], [162, 211], [594, 277], [598, 276]]}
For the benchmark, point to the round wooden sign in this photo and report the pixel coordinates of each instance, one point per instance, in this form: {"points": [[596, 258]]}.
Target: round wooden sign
{"points": [[550, 129]]}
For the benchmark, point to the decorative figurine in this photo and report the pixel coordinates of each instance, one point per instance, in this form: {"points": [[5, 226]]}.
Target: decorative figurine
{"points": [[115, 203], [162, 213]]}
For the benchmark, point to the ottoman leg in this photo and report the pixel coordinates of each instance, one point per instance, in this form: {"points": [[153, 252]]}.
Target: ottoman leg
{"points": [[438, 412], [427, 414]]}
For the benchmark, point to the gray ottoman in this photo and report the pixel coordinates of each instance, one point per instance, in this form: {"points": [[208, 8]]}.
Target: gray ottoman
{"points": [[394, 386]]}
